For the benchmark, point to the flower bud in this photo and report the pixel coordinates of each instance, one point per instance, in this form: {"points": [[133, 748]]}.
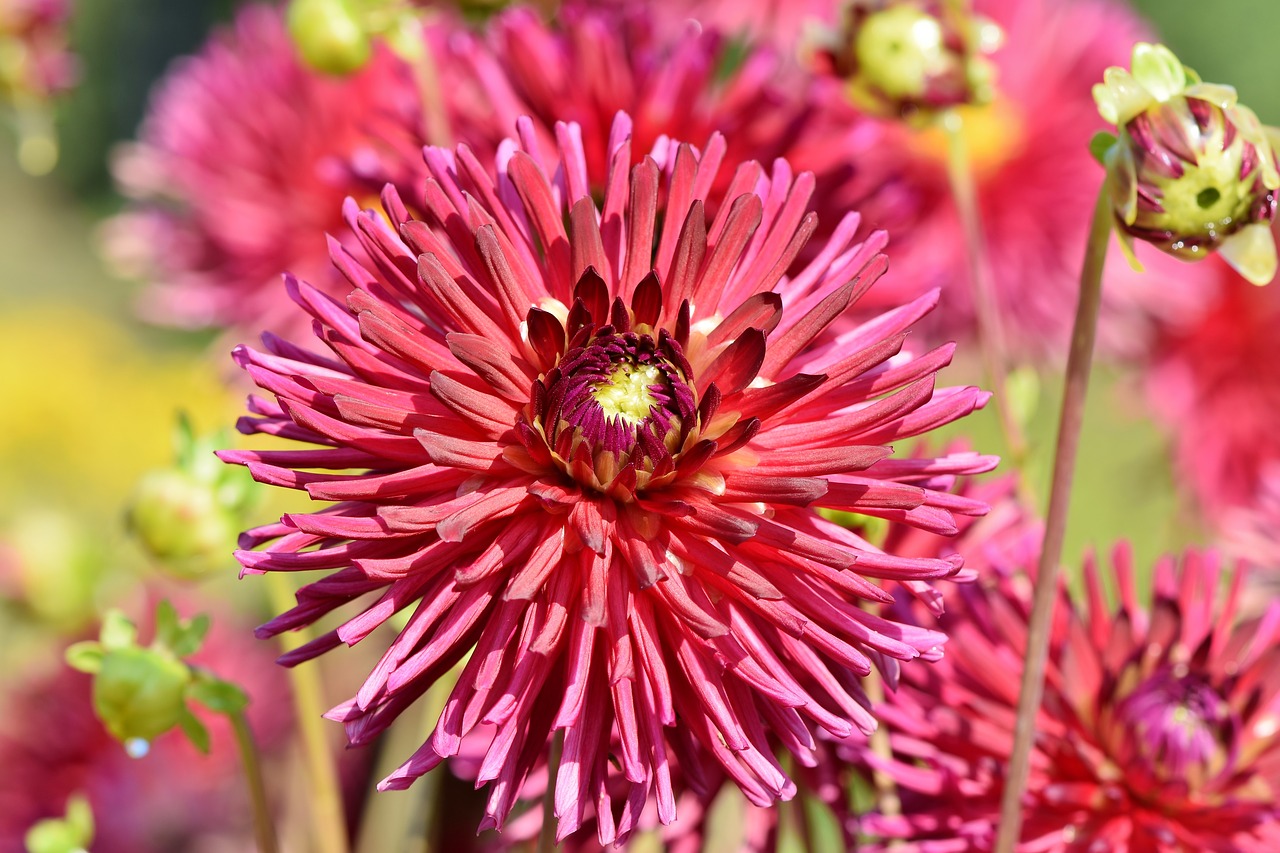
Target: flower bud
{"points": [[139, 694], [186, 516], [70, 834], [914, 57], [329, 35], [1191, 171]]}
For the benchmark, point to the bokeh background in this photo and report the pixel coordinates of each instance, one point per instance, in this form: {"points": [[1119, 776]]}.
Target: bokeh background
{"points": [[88, 395]]}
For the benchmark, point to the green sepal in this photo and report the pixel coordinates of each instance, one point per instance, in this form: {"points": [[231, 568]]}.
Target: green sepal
{"points": [[1100, 145], [218, 695], [117, 631], [195, 731], [85, 656]]}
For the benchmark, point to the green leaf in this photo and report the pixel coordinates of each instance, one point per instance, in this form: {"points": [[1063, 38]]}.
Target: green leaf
{"points": [[85, 657], [195, 731], [168, 628], [191, 636], [1100, 145], [218, 695], [117, 631]]}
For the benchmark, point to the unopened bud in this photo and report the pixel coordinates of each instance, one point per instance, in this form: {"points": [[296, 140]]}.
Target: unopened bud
{"points": [[329, 35], [914, 57], [1191, 170], [140, 693]]}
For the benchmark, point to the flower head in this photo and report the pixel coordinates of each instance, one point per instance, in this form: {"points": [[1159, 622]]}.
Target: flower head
{"points": [[243, 162], [1158, 731], [1192, 170], [912, 58], [593, 442], [1036, 185]]}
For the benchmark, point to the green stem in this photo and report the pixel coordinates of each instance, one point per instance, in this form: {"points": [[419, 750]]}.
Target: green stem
{"points": [[329, 826], [263, 828], [1079, 362], [547, 833], [990, 329]]}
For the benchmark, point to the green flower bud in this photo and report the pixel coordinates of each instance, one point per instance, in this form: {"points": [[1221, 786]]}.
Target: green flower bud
{"points": [[910, 58], [330, 35], [139, 694], [1191, 171], [187, 516], [69, 834]]}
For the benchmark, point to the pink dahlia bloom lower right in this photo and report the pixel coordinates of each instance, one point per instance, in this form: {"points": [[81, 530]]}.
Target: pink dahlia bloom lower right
{"points": [[1158, 730]]}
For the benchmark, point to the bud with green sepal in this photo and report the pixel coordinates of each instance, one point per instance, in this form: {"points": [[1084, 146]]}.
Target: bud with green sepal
{"points": [[187, 516], [140, 692], [913, 58], [1191, 170]]}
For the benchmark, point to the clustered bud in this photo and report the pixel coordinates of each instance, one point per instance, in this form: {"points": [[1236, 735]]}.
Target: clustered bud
{"points": [[913, 58], [1191, 170]]}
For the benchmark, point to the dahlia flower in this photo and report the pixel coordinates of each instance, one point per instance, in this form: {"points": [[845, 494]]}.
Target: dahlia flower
{"points": [[825, 787], [1192, 170], [591, 444], [1158, 729], [912, 59], [1036, 186], [242, 166], [36, 60], [1216, 384], [681, 82]]}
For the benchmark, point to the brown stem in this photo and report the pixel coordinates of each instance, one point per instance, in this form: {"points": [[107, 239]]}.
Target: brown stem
{"points": [[328, 825], [263, 828], [1079, 362], [991, 338]]}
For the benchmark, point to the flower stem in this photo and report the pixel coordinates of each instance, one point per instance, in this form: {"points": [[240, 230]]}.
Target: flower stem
{"points": [[990, 330], [329, 827], [547, 833], [1079, 362], [263, 828]]}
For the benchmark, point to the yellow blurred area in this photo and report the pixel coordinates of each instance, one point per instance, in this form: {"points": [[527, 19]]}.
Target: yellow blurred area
{"points": [[87, 407]]}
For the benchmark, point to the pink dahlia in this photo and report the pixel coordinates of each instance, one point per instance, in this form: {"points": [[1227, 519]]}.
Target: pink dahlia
{"points": [[593, 443], [1036, 186], [1216, 383], [1158, 732], [37, 60], [681, 82], [242, 166]]}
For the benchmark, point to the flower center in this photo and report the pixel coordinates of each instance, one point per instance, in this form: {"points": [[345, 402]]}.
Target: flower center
{"points": [[617, 408], [626, 394], [1179, 726]]}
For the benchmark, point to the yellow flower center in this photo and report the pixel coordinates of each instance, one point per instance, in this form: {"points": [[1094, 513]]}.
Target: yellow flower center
{"points": [[625, 394]]}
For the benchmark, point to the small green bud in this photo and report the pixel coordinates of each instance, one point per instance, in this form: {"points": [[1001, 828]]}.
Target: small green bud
{"points": [[139, 694], [329, 35], [187, 516], [69, 834], [1191, 170]]}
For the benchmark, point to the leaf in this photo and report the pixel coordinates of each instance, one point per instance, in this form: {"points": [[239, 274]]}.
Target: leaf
{"points": [[1100, 145], [195, 731], [191, 636], [218, 695], [168, 629], [85, 656]]}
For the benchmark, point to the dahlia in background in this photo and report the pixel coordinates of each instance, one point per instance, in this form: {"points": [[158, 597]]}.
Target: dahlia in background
{"points": [[681, 82], [37, 61], [1158, 729], [241, 169], [594, 443], [1036, 185], [1216, 384]]}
